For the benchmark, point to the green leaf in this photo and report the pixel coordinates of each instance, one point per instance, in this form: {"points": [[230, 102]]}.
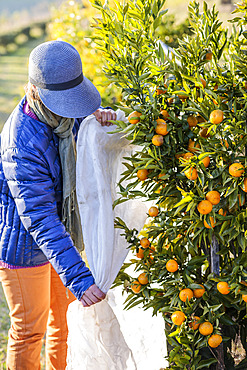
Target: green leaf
{"points": [[206, 363]]}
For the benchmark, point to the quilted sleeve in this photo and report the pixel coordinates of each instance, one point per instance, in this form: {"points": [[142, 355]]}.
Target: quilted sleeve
{"points": [[33, 190]]}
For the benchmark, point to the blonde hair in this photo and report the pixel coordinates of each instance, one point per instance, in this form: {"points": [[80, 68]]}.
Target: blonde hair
{"points": [[31, 92]]}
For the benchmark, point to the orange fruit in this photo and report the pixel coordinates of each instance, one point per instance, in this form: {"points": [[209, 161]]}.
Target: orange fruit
{"points": [[223, 287], [185, 293], [206, 328], [213, 196], [171, 265], [162, 174], [192, 146], [212, 222], [170, 100], [205, 207], [187, 156], [143, 279], [236, 169], [191, 173], [183, 96], [215, 340], [194, 323], [244, 297], [225, 143], [161, 127], [240, 202], [209, 55], [198, 293], [244, 186], [142, 174], [145, 243], [153, 211], [178, 317], [134, 117], [216, 116], [204, 83], [205, 160], [161, 91], [136, 286], [140, 253], [222, 212], [192, 121], [157, 140], [164, 113], [204, 132]]}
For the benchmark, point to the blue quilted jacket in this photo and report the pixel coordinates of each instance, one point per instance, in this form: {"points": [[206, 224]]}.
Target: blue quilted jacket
{"points": [[31, 231]]}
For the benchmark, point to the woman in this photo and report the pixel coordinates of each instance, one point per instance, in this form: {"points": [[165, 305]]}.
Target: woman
{"points": [[40, 225]]}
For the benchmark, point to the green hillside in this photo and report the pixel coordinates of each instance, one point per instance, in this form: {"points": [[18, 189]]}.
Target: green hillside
{"points": [[13, 76]]}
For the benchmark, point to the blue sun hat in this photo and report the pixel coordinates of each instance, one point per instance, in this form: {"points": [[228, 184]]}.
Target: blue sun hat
{"points": [[55, 68]]}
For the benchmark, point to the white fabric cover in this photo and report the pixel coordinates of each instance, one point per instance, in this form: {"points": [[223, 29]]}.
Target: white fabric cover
{"points": [[104, 336]]}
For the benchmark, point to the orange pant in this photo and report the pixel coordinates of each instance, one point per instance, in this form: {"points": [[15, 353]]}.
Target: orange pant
{"points": [[38, 303]]}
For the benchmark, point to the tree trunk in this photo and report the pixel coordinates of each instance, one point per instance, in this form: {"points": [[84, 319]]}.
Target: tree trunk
{"points": [[215, 268]]}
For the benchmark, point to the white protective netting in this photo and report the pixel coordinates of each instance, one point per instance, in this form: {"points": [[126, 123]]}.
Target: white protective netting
{"points": [[104, 336]]}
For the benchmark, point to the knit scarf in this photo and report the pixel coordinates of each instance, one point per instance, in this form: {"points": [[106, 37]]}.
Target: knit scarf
{"points": [[62, 127]]}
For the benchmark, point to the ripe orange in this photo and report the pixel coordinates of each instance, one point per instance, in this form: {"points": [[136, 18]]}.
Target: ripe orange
{"points": [[178, 317], [153, 211], [216, 116], [205, 207], [225, 143], [162, 174], [244, 297], [157, 140], [192, 146], [223, 287], [170, 100], [222, 212], [212, 223], [236, 169], [134, 117], [191, 173], [142, 174], [183, 96], [187, 156], [192, 121], [143, 279], [244, 186], [209, 55], [140, 253], [204, 83], [185, 293], [204, 132], [164, 113], [240, 201], [145, 243], [215, 340], [161, 91], [194, 323], [161, 127], [205, 160], [198, 293], [213, 196], [136, 286], [171, 265], [206, 328]]}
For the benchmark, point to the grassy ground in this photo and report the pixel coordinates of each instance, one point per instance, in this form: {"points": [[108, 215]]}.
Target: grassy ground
{"points": [[13, 76]]}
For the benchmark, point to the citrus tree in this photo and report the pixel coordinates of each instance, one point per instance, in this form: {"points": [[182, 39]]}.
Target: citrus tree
{"points": [[188, 116]]}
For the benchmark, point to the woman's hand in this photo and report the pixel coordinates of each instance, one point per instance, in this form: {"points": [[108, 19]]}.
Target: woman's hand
{"points": [[91, 296], [103, 116]]}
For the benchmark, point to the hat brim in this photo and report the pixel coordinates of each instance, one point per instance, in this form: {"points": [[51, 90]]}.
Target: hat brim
{"points": [[79, 101]]}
